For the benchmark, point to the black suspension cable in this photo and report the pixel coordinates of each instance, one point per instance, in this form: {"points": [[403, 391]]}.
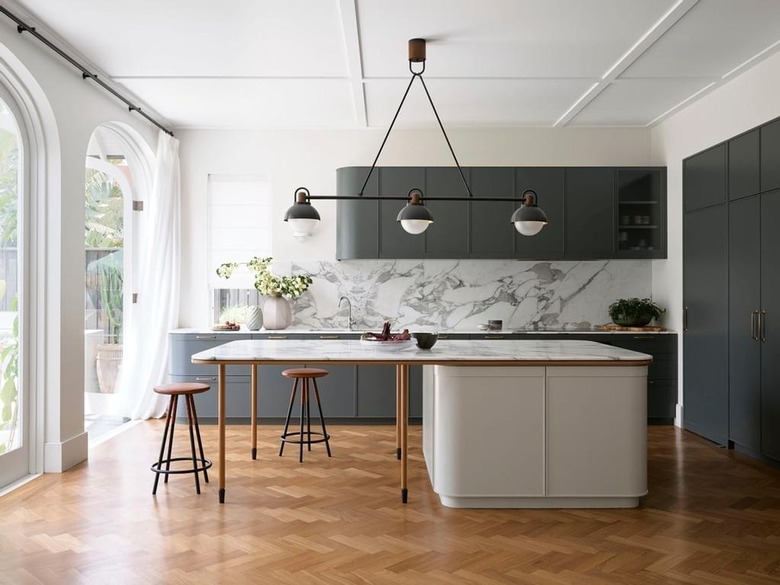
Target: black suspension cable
{"points": [[22, 27]]}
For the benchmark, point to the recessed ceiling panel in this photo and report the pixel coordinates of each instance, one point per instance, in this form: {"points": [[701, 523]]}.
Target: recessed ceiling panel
{"points": [[202, 37], [504, 38], [636, 102], [713, 38], [459, 102], [249, 103]]}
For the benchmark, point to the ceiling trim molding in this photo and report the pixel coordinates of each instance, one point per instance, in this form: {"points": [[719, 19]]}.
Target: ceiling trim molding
{"points": [[660, 28], [349, 23]]}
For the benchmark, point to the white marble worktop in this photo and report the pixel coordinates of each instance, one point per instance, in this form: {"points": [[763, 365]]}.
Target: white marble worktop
{"points": [[318, 351], [305, 331]]}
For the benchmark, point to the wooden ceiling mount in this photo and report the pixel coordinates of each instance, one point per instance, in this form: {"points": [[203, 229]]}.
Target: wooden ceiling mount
{"points": [[416, 50]]}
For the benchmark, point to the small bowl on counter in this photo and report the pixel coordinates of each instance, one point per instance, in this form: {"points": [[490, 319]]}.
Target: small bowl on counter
{"points": [[426, 340]]}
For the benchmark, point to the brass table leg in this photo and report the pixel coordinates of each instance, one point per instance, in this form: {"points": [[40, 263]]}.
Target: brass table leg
{"points": [[254, 411], [404, 426], [221, 423], [398, 412]]}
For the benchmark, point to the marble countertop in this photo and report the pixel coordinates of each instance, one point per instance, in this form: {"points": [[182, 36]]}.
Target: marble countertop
{"points": [[318, 351], [303, 331]]}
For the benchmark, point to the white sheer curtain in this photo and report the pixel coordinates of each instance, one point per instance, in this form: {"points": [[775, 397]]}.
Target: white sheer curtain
{"points": [[146, 351]]}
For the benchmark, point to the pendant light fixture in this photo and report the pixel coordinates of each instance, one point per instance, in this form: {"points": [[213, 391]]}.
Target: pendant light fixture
{"points": [[415, 217]]}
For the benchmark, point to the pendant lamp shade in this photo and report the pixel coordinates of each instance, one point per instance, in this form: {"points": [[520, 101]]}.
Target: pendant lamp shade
{"points": [[529, 219], [415, 217], [302, 215]]}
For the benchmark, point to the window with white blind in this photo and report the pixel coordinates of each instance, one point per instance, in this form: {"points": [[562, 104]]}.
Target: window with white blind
{"points": [[239, 227]]}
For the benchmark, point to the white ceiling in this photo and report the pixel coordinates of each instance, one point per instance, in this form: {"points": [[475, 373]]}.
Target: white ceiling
{"points": [[343, 63]]}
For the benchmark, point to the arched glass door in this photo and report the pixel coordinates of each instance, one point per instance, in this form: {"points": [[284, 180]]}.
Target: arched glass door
{"points": [[14, 396]]}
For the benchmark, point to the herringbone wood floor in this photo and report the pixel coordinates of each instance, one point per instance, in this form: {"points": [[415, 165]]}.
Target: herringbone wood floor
{"points": [[712, 517]]}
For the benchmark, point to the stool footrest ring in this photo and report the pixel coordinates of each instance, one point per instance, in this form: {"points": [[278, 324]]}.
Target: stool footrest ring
{"points": [[204, 465], [286, 437]]}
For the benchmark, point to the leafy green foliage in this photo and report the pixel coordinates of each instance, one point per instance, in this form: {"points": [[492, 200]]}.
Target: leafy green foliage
{"points": [[267, 283], [9, 186], [9, 379], [103, 214], [634, 311]]}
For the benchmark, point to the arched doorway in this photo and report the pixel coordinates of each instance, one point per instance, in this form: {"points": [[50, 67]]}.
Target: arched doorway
{"points": [[118, 173]]}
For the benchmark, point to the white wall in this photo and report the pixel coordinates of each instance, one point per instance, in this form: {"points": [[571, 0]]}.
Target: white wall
{"points": [[747, 101], [310, 158], [71, 108]]}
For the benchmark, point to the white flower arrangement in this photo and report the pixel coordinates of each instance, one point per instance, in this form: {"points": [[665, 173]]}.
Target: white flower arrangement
{"points": [[266, 283]]}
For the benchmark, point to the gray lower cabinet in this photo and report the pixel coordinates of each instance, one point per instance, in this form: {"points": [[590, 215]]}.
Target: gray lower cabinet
{"points": [[705, 335], [376, 399]]}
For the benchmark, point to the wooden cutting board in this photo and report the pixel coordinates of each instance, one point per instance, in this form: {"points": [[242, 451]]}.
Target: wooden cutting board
{"points": [[613, 327]]}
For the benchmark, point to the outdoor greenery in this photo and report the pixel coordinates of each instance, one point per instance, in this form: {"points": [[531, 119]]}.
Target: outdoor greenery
{"points": [[634, 311], [267, 283]]}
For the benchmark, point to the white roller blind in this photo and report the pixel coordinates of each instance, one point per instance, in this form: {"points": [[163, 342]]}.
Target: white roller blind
{"points": [[239, 218]]}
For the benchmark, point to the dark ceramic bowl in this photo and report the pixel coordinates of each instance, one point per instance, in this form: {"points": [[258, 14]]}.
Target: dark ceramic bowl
{"points": [[426, 340]]}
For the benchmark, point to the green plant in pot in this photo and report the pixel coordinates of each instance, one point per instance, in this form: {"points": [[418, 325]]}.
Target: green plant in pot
{"points": [[634, 312]]}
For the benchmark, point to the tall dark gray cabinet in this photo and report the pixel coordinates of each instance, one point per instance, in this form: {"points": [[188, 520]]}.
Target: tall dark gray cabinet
{"points": [[731, 356]]}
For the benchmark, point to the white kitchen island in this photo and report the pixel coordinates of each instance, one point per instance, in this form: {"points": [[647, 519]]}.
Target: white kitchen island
{"points": [[552, 357]]}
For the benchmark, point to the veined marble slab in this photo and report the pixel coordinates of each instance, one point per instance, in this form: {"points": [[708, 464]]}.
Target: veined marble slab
{"points": [[446, 351]]}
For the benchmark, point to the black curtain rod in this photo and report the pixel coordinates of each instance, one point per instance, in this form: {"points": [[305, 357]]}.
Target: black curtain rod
{"points": [[22, 27]]}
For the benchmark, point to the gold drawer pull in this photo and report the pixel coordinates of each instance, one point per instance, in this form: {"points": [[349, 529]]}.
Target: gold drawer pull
{"points": [[201, 379], [205, 337], [444, 336], [493, 337], [330, 336], [643, 337], [277, 337]]}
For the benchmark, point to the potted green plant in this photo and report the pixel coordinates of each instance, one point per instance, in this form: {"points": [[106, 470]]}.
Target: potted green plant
{"points": [[634, 312]]}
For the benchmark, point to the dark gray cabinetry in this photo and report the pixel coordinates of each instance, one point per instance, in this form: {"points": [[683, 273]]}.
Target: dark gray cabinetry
{"points": [[548, 183], [770, 329], [394, 242], [704, 178], [590, 213], [376, 400], [357, 235], [491, 233], [744, 304], [705, 341], [744, 169], [770, 156], [448, 237]]}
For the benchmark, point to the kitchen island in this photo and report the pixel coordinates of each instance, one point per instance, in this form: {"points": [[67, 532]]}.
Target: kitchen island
{"points": [[467, 353]]}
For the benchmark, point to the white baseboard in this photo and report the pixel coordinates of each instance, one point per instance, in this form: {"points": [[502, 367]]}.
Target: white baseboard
{"points": [[59, 457]]}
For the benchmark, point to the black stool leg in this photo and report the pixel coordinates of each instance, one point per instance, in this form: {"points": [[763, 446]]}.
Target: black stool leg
{"points": [[174, 408], [162, 445], [192, 443], [287, 420], [322, 418], [200, 442], [308, 416], [304, 395]]}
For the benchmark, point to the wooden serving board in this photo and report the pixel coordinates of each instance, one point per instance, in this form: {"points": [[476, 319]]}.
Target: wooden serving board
{"points": [[613, 327]]}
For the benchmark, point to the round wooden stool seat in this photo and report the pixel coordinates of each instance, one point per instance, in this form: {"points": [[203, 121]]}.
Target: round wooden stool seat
{"points": [[304, 373], [182, 388]]}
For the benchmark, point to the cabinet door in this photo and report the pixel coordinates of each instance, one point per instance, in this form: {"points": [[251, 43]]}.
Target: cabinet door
{"points": [[770, 347], [337, 392], [376, 392], [705, 340], [548, 184], [770, 156], [357, 222], [744, 172], [394, 242], [590, 213], [448, 237], [704, 178], [492, 234], [744, 300], [237, 399]]}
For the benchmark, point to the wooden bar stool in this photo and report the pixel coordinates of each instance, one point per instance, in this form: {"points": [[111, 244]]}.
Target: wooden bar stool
{"points": [[188, 390], [304, 437]]}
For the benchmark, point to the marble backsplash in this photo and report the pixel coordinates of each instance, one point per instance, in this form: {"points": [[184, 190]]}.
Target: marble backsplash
{"points": [[461, 294]]}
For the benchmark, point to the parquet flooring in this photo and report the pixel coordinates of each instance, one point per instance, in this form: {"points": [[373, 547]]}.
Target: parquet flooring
{"points": [[711, 518]]}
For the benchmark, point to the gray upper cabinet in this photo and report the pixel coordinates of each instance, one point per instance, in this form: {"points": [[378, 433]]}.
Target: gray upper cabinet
{"points": [[448, 237], [357, 221], [492, 234], [590, 213], [744, 169], [548, 183], [704, 178], [394, 242], [583, 205], [770, 156]]}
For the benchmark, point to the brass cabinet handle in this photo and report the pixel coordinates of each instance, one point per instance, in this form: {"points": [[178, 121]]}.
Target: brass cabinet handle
{"points": [[444, 336], [643, 337], [277, 337], [685, 318], [754, 325], [205, 337], [493, 337], [205, 379], [330, 336], [762, 325]]}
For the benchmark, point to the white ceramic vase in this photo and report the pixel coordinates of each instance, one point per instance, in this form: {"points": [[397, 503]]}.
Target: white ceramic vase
{"points": [[254, 318], [276, 313]]}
